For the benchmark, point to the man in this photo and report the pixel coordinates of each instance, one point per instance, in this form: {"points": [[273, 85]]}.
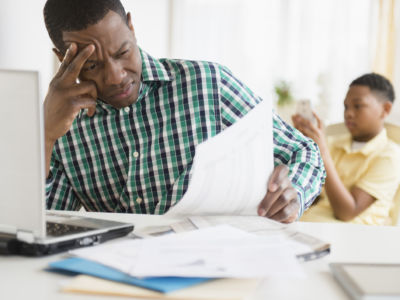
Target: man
{"points": [[121, 126]]}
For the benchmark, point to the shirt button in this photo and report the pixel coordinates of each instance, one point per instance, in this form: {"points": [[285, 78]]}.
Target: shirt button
{"points": [[135, 154], [139, 200], [126, 109]]}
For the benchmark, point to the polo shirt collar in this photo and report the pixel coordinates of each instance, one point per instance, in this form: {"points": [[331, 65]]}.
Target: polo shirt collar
{"points": [[373, 145]]}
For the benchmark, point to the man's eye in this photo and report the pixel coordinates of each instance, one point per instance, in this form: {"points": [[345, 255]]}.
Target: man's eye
{"points": [[89, 67], [123, 53]]}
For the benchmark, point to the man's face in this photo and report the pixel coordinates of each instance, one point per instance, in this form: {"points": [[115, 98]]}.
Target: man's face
{"points": [[115, 66], [364, 113]]}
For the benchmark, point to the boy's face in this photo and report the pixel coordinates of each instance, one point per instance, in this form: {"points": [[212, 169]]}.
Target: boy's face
{"points": [[364, 112], [115, 65]]}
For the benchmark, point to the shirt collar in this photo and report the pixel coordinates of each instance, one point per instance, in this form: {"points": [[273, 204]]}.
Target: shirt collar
{"points": [[378, 142], [153, 69]]}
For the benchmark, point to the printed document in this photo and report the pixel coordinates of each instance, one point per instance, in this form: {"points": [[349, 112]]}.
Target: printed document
{"points": [[230, 170], [214, 252], [305, 246]]}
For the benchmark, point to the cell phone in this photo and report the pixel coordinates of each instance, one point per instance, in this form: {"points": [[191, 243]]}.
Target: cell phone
{"points": [[303, 108]]}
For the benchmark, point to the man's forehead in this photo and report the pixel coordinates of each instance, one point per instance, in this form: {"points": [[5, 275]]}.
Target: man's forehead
{"points": [[111, 46], [111, 31]]}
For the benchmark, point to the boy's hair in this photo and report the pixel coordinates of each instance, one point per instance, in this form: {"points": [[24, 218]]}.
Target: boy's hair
{"points": [[75, 15], [378, 84]]}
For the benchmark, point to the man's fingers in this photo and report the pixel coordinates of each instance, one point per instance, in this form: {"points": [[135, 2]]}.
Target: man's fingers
{"points": [[277, 177], [91, 111], [289, 213], [86, 88], [271, 197], [69, 55], [284, 199], [74, 68], [84, 102]]}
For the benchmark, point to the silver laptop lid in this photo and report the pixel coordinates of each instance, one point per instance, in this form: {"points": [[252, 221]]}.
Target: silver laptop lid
{"points": [[22, 209]]}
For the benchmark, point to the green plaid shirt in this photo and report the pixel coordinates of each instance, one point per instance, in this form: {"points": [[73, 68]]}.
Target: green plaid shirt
{"points": [[137, 159]]}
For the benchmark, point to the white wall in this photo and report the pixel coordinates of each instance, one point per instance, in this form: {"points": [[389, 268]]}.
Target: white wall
{"points": [[151, 23], [244, 35], [24, 44]]}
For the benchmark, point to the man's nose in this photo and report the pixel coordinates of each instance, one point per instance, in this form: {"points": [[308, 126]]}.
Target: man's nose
{"points": [[114, 73]]}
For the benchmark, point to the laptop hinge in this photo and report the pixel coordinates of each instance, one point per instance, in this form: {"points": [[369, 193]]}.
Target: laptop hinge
{"points": [[8, 229], [25, 236]]}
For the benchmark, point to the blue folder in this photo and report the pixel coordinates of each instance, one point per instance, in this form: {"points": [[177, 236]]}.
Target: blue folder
{"points": [[160, 284]]}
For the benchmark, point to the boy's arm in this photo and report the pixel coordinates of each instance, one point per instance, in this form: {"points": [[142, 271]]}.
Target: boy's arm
{"points": [[346, 204]]}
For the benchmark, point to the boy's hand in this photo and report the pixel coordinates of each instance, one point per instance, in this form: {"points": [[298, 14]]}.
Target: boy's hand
{"points": [[306, 127], [66, 97], [280, 203]]}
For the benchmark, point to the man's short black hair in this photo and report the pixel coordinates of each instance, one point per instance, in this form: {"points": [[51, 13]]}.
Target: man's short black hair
{"points": [[378, 84], [75, 15]]}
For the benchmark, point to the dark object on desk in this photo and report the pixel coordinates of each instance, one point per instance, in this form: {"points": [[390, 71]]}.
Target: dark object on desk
{"points": [[40, 249], [7, 244], [63, 237], [368, 281]]}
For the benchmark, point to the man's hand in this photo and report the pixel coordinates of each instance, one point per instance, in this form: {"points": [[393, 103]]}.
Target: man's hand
{"points": [[66, 97], [280, 203]]}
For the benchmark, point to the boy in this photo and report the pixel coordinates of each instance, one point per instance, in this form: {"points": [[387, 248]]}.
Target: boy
{"points": [[363, 170]]}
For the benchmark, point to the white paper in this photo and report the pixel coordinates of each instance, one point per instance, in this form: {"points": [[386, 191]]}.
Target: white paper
{"points": [[302, 244], [217, 252], [259, 226], [230, 171]]}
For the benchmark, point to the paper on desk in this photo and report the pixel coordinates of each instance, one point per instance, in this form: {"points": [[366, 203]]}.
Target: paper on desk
{"points": [[305, 246], [230, 171], [221, 289], [215, 252]]}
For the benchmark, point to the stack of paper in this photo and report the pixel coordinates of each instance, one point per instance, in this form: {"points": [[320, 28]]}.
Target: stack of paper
{"points": [[215, 252], [182, 266], [306, 247], [221, 289], [120, 284], [88, 267]]}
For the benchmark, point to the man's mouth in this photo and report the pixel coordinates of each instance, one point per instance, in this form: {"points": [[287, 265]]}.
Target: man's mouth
{"points": [[124, 93]]}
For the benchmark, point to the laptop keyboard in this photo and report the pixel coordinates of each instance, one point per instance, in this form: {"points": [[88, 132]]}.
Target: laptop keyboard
{"points": [[59, 229]]}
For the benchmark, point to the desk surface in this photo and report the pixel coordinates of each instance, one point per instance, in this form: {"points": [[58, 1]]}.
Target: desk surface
{"points": [[24, 277]]}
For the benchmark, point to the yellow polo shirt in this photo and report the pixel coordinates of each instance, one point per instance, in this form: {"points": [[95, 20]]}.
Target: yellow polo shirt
{"points": [[375, 168]]}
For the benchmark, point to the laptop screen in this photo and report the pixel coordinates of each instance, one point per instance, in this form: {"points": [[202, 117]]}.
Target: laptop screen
{"points": [[21, 155]]}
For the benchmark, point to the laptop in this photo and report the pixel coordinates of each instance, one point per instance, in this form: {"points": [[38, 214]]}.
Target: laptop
{"points": [[25, 226]]}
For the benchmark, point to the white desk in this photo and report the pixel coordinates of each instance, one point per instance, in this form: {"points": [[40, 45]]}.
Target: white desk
{"points": [[24, 278]]}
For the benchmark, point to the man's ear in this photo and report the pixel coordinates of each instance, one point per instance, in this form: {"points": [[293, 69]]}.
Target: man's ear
{"points": [[59, 55], [129, 22]]}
